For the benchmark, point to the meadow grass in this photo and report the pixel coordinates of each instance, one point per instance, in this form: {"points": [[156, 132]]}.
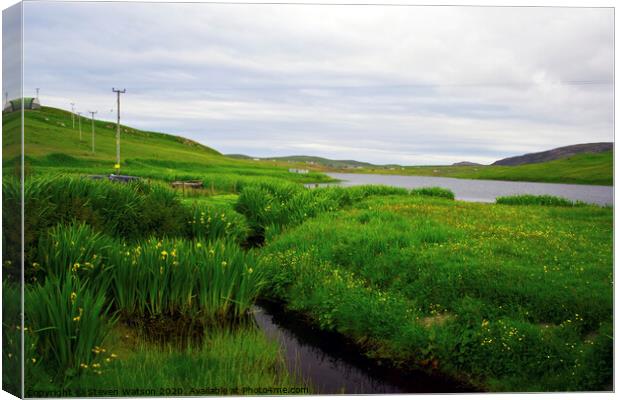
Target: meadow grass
{"points": [[504, 297]]}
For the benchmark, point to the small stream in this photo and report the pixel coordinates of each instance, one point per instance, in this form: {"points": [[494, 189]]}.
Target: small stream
{"points": [[330, 364]]}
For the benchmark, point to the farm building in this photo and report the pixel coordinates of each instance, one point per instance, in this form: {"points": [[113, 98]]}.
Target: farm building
{"points": [[30, 103]]}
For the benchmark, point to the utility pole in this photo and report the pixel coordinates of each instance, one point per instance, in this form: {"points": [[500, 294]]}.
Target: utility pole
{"points": [[92, 120], [118, 129], [73, 115], [80, 124]]}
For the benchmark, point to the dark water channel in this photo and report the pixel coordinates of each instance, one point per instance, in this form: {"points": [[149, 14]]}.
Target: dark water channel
{"points": [[329, 364]]}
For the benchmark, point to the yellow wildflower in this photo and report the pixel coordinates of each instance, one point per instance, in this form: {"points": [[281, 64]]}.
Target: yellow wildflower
{"points": [[73, 297]]}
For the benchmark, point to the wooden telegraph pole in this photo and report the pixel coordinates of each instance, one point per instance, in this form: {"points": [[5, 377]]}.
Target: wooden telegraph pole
{"points": [[73, 115], [118, 129], [80, 124], [92, 120]]}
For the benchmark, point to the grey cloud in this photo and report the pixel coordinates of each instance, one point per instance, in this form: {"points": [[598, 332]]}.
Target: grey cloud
{"points": [[417, 84]]}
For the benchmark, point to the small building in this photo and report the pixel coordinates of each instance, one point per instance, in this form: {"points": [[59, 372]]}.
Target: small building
{"points": [[30, 103], [298, 171]]}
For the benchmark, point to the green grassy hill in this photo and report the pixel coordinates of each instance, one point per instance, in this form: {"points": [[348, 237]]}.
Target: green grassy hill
{"points": [[51, 144], [587, 168], [318, 161]]}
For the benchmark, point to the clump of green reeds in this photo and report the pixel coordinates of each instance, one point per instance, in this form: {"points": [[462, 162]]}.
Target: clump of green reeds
{"points": [[542, 200], [203, 281], [70, 322], [75, 249], [210, 222], [130, 211], [434, 192]]}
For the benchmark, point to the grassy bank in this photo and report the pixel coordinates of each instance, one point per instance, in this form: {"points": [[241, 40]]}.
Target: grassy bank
{"points": [[590, 169], [512, 298]]}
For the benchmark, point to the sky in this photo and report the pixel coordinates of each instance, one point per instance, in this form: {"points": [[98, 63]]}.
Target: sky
{"points": [[405, 85]]}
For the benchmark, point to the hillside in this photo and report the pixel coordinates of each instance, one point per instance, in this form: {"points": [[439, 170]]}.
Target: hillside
{"points": [[52, 144], [317, 161], [586, 168], [556, 154]]}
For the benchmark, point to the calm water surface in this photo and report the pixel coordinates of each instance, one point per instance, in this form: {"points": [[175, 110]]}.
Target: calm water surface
{"points": [[483, 190]]}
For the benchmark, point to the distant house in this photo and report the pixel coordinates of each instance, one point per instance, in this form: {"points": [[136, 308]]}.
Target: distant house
{"points": [[30, 103], [298, 171]]}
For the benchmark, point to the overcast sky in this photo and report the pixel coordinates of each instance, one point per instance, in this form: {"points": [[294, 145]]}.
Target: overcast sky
{"points": [[408, 85]]}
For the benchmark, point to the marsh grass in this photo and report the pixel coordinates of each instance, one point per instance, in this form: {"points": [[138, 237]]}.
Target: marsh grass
{"points": [[229, 360], [507, 298], [129, 211], [434, 192], [270, 209], [538, 200], [70, 323], [209, 223], [150, 278]]}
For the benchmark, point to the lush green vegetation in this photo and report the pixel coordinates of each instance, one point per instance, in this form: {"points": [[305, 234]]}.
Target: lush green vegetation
{"points": [[104, 256], [510, 298], [138, 285], [587, 168]]}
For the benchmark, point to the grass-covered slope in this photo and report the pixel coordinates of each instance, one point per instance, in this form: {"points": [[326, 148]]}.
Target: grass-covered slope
{"points": [[587, 168], [51, 144]]}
